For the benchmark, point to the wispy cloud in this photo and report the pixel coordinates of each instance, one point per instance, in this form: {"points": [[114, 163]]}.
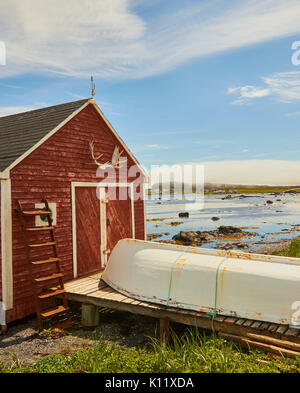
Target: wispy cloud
{"points": [[281, 86], [110, 38], [247, 93], [214, 143], [150, 147], [293, 114], [12, 110], [178, 132], [11, 86]]}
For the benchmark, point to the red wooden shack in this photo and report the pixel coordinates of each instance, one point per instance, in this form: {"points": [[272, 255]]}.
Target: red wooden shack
{"points": [[46, 153]]}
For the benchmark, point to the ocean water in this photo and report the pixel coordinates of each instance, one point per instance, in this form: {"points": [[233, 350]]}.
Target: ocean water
{"points": [[271, 222]]}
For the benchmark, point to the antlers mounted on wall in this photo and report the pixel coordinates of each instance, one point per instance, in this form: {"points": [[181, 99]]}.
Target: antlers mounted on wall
{"points": [[115, 162]]}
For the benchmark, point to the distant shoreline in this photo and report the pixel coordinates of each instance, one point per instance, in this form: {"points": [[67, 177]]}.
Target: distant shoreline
{"points": [[230, 189]]}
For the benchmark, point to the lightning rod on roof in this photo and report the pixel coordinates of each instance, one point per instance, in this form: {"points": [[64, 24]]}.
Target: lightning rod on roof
{"points": [[93, 86]]}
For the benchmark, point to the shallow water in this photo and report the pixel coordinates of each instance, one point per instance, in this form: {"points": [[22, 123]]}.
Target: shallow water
{"points": [[272, 222]]}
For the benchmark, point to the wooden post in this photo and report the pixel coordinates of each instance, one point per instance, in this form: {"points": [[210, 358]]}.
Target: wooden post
{"points": [[3, 330], [89, 315], [164, 330]]}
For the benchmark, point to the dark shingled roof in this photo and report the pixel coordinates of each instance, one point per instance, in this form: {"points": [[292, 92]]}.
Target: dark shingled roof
{"points": [[20, 132]]}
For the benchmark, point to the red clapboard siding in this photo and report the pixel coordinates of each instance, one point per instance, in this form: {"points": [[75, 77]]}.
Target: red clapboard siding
{"points": [[0, 250], [48, 172]]}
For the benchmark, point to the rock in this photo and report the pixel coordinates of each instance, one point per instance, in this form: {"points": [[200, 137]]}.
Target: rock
{"points": [[187, 237], [198, 238], [227, 197], [278, 200], [206, 236], [168, 241], [153, 236], [225, 246], [215, 218], [291, 192], [228, 230], [269, 202], [175, 223], [241, 245], [184, 215]]}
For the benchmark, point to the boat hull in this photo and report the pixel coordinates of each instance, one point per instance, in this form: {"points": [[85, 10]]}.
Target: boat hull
{"points": [[253, 286]]}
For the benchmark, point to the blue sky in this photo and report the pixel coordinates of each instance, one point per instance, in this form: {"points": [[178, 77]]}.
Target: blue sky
{"points": [[181, 81]]}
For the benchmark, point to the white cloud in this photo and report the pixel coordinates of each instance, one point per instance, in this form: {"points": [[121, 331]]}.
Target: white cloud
{"points": [[12, 110], [282, 86], [247, 93], [109, 39], [139, 148], [293, 114]]}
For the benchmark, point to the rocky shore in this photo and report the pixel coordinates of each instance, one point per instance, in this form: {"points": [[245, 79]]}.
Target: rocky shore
{"points": [[221, 234]]}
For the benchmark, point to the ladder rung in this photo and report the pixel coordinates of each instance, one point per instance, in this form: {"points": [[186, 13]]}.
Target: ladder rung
{"points": [[36, 212], [42, 245], [51, 294], [50, 260], [36, 229], [48, 278], [53, 311]]}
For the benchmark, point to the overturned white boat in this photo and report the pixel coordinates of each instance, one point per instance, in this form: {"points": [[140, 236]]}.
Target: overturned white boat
{"points": [[264, 288]]}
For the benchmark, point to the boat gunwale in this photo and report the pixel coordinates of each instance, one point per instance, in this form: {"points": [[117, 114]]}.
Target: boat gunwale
{"points": [[222, 253]]}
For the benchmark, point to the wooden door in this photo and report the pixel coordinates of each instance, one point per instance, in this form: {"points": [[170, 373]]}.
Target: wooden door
{"points": [[118, 220], [88, 231]]}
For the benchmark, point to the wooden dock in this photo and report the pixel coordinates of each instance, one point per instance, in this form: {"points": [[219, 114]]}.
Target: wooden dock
{"points": [[272, 337]]}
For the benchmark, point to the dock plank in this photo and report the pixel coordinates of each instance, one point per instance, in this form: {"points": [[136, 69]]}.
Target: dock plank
{"points": [[240, 322], [256, 325], [248, 322], [281, 329], [91, 290]]}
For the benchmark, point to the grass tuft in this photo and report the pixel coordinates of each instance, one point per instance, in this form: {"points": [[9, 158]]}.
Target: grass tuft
{"points": [[293, 250], [194, 352]]}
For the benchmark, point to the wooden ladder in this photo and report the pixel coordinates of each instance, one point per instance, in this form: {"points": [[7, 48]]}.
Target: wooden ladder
{"points": [[40, 280]]}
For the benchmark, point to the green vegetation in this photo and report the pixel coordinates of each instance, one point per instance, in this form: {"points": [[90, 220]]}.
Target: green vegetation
{"points": [[194, 352], [249, 189], [227, 189], [293, 250]]}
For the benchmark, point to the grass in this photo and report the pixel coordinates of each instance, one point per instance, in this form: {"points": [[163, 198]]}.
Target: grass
{"points": [[253, 190], [238, 190], [194, 352], [293, 250]]}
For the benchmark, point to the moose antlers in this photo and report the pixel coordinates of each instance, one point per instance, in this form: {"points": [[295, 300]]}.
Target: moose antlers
{"points": [[115, 161]]}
